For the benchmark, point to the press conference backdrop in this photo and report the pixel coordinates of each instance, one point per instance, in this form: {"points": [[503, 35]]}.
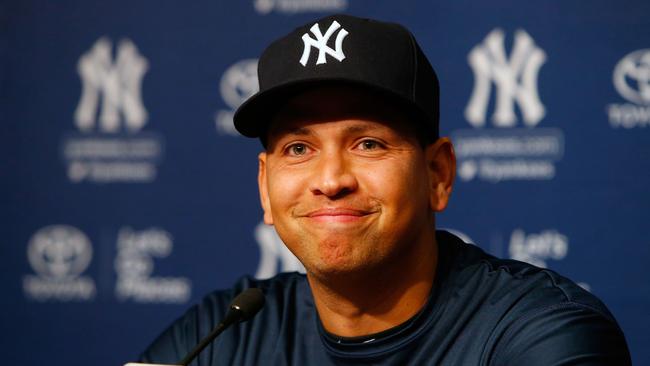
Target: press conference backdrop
{"points": [[127, 195]]}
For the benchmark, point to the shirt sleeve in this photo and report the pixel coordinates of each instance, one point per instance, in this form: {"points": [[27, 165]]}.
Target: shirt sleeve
{"points": [[562, 334], [172, 345], [180, 338]]}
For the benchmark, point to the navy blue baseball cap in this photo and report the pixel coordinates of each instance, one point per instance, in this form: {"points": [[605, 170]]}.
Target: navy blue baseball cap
{"points": [[377, 56]]}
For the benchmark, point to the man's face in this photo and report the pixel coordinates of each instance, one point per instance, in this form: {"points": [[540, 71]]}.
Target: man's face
{"points": [[346, 190]]}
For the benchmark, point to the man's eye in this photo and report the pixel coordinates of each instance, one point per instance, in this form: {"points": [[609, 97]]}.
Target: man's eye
{"points": [[370, 145], [297, 149]]}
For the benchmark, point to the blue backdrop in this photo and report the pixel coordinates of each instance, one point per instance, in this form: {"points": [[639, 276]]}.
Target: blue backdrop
{"points": [[126, 195]]}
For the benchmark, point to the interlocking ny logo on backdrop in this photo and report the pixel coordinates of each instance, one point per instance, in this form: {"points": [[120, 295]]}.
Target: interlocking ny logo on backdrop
{"points": [[320, 43], [117, 81], [110, 116], [515, 80], [507, 152]]}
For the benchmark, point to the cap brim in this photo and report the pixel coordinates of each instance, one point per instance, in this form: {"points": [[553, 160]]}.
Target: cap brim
{"points": [[253, 117]]}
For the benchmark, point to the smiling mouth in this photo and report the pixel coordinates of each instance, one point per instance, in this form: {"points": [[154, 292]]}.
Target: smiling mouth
{"points": [[338, 214]]}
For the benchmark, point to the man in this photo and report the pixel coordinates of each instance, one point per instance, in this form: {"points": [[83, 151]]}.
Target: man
{"points": [[352, 174]]}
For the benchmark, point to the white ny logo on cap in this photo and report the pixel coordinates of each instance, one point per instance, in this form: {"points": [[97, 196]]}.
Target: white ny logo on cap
{"points": [[321, 43]]}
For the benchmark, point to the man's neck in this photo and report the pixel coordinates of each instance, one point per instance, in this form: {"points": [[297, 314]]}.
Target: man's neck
{"points": [[359, 304]]}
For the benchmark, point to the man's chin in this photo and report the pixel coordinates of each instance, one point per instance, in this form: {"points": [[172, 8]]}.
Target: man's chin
{"points": [[335, 266]]}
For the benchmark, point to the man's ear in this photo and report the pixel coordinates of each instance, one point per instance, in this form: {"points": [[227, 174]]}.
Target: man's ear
{"points": [[264, 189], [441, 165]]}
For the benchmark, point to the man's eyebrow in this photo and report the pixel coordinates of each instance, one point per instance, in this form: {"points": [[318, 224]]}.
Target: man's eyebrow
{"points": [[306, 131]]}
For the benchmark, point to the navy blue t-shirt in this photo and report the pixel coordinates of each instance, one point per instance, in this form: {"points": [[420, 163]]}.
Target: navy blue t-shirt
{"points": [[481, 311]]}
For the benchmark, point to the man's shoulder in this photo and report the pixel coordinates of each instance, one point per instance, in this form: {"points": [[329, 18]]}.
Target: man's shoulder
{"points": [[199, 320], [528, 287], [524, 314]]}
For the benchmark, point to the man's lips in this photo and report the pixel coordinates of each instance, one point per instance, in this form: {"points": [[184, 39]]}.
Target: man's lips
{"points": [[337, 214]]}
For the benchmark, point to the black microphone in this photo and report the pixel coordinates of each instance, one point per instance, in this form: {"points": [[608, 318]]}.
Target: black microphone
{"points": [[243, 307]]}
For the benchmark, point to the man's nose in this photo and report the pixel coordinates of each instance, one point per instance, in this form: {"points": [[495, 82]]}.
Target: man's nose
{"points": [[333, 175]]}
